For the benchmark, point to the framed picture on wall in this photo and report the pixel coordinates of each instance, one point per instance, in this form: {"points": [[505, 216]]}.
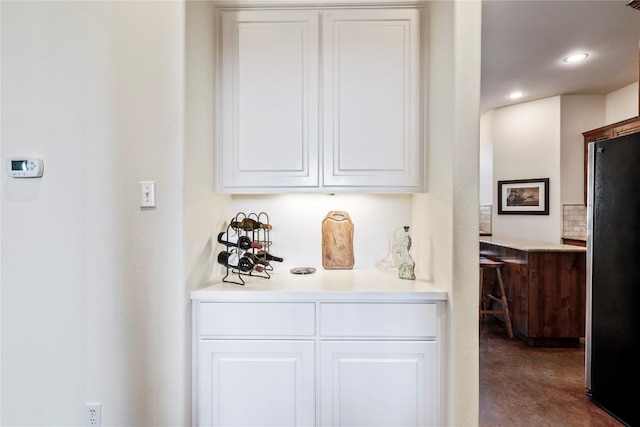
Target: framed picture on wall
{"points": [[524, 197]]}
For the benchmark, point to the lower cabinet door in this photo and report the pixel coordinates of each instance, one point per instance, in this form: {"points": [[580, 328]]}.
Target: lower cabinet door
{"points": [[393, 383], [256, 383]]}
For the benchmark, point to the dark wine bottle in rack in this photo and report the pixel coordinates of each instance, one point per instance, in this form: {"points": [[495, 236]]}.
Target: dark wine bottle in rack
{"points": [[242, 263], [242, 242], [249, 224], [256, 259], [266, 255]]}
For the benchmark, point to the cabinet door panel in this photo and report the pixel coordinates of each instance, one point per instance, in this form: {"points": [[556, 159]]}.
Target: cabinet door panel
{"points": [[372, 132], [256, 383], [269, 85], [379, 383]]}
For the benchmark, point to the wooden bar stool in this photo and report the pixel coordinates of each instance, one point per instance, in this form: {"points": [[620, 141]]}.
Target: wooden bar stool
{"points": [[486, 296]]}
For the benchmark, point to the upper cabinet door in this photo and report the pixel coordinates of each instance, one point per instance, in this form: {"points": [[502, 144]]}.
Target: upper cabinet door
{"points": [[372, 104], [268, 111]]}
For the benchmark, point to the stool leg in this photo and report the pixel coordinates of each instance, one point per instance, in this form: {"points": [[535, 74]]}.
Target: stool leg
{"points": [[505, 305], [483, 305]]}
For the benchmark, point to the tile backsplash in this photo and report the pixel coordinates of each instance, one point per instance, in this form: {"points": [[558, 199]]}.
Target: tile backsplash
{"points": [[574, 221], [485, 218]]}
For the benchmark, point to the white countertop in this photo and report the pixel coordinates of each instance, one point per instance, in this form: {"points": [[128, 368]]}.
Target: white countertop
{"points": [[531, 245], [369, 284]]}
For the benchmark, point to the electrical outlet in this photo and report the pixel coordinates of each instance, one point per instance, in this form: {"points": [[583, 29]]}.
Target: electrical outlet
{"points": [[93, 414]]}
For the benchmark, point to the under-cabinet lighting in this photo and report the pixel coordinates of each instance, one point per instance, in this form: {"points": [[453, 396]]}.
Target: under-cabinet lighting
{"points": [[516, 95]]}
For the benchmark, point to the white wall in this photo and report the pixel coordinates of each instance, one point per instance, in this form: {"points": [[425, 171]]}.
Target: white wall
{"points": [[578, 113], [486, 159], [297, 224], [111, 93], [1, 225], [526, 144], [621, 104], [93, 300], [206, 212], [526, 139], [463, 294]]}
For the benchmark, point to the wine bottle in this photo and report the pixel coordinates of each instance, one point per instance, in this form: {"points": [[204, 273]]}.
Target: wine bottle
{"points": [[256, 259], [242, 263], [242, 242], [266, 255], [249, 224]]}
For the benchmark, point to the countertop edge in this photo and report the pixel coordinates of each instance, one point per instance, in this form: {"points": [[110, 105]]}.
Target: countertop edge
{"points": [[345, 285], [302, 295], [530, 245]]}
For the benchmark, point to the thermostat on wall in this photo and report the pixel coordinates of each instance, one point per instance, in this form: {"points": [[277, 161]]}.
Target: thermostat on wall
{"points": [[25, 167]]}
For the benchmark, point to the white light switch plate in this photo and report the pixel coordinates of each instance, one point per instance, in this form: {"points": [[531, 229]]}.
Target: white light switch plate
{"points": [[147, 194]]}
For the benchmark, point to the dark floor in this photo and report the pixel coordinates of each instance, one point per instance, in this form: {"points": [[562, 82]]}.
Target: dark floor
{"points": [[533, 387]]}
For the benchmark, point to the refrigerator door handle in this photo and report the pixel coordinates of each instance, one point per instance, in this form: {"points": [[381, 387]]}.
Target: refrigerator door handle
{"points": [[590, 222]]}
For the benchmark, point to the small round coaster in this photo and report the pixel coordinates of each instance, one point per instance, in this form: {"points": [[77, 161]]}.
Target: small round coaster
{"points": [[303, 270]]}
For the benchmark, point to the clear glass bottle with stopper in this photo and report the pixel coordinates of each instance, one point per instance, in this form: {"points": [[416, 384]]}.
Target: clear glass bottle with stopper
{"points": [[407, 263], [392, 260]]}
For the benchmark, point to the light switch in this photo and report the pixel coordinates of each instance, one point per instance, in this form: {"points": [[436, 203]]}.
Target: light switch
{"points": [[147, 194]]}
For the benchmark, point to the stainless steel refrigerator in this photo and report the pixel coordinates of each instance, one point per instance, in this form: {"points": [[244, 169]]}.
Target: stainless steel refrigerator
{"points": [[613, 277]]}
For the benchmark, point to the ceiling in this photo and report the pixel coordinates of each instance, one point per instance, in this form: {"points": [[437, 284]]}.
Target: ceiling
{"points": [[524, 42]]}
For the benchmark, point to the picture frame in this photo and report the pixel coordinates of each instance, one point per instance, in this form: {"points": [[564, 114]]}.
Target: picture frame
{"points": [[523, 197]]}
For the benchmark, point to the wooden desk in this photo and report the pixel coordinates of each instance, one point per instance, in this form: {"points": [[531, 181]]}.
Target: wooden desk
{"points": [[546, 289]]}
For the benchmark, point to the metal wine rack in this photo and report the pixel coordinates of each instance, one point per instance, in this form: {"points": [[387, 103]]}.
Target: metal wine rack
{"points": [[258, 235]]}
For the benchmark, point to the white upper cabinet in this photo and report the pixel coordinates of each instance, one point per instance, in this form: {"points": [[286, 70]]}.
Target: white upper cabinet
{"points": [[341, 113], [372, 97], [269, 109]]}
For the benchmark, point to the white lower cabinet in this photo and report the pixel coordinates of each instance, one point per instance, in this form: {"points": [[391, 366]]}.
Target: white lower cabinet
{"points": [[256, 383], [315, 362], [378, 383]]}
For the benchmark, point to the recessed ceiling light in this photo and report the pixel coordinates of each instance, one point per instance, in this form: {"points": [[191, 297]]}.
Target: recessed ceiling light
{"points": [[576, 58], [516, 95]]}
